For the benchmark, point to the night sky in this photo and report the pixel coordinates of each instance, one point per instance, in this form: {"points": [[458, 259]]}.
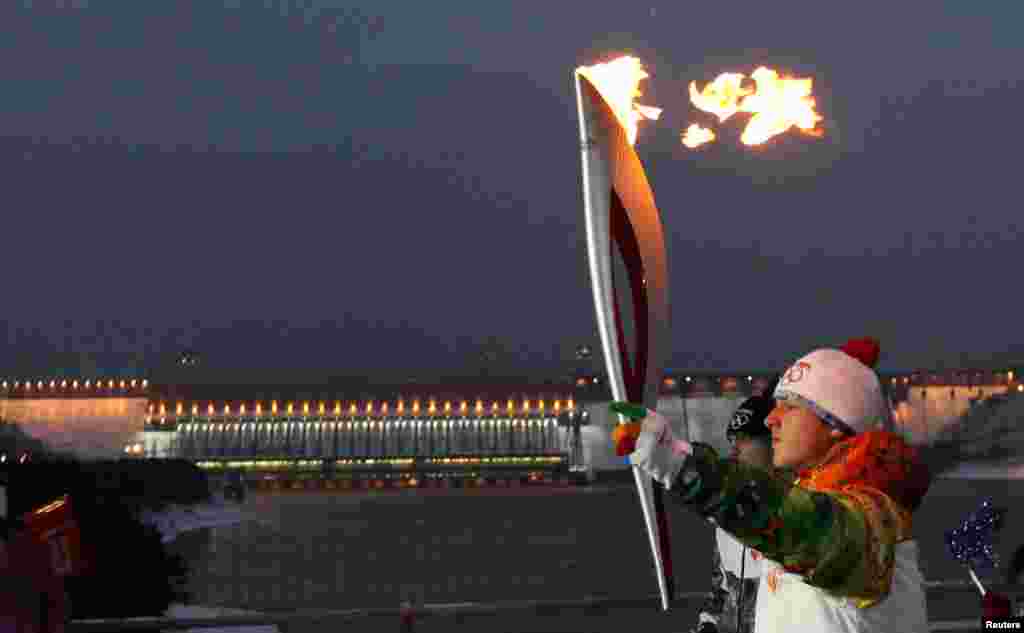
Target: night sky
{"points": [[379, 187]]}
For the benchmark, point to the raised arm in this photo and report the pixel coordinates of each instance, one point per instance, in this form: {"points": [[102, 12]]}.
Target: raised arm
{"points": [[841, 540]]}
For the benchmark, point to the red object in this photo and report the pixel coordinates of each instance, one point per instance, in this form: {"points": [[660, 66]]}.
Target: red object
{"points": [[54, 526], [39, 556], [407, 619], [866, 350], [625, 437], [996, 606]]}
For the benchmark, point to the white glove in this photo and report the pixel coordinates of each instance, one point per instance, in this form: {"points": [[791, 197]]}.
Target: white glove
{"points": [[658, 452]]}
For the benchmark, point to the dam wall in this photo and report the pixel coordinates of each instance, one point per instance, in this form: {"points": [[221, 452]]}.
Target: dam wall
{"points": [[90, 428]]}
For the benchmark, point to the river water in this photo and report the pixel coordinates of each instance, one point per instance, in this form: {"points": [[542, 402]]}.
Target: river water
{"points": [[339, 550]]}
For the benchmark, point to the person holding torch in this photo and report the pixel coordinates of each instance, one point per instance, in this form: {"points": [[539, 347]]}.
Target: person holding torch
{"points": [[833, 519]]}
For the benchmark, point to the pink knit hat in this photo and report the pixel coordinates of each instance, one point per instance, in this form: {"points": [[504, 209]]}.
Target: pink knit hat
{"points": [[839, 385]]}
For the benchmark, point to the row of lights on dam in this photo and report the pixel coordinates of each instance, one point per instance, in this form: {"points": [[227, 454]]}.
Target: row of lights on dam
{"points": [[368, 408], [402, 424], [42, 385]]}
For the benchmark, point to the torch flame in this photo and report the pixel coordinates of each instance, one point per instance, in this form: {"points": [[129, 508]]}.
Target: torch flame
{"points": [[777, 103], [618, 81], [695, 136], [721, 97]]}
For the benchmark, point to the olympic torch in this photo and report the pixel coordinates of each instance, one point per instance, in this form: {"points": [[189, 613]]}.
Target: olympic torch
{"points": [[624, 234]]}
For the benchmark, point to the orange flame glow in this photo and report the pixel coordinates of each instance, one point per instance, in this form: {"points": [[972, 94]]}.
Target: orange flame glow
{"points": [[695, 136], [721, 97], [777, 104], [618, 81]]}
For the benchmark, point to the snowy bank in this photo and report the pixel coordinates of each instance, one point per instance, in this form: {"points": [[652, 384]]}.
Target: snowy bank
{"points": [[189, 612], [177, 520]]}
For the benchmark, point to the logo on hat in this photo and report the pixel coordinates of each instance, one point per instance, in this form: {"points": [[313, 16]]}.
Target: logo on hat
{"points": [[797, 372], [740, 419]]}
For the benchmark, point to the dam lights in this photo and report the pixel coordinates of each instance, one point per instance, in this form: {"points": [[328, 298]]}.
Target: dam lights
{"points": [[53, 383], [227, 409], [305, 408], [195, 409], [570, 404], [688, 379], [163, 409], [353, 409], [209, 409], [447, 407], [510, 405], [273, 407], [369, 407], [558, 406], [178, 409], [132, 383], [291, 408], [63, 384], [122, 384], [384, 408], [145, 383], [432, 409], [337, 407], [479, 407], [241, 409], [322, 408], [526, 406], [110, 384], [416, 407]]}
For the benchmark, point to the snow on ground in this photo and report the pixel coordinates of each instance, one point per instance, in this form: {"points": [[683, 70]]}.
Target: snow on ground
{"points": [[177, 520], [181, 611]]}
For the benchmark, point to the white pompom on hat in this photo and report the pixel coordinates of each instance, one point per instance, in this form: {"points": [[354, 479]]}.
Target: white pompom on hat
{"points": [[839, 385]]}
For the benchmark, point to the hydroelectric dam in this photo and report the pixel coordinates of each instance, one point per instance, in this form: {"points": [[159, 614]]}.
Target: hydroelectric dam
{"points": [[459, 429]]}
